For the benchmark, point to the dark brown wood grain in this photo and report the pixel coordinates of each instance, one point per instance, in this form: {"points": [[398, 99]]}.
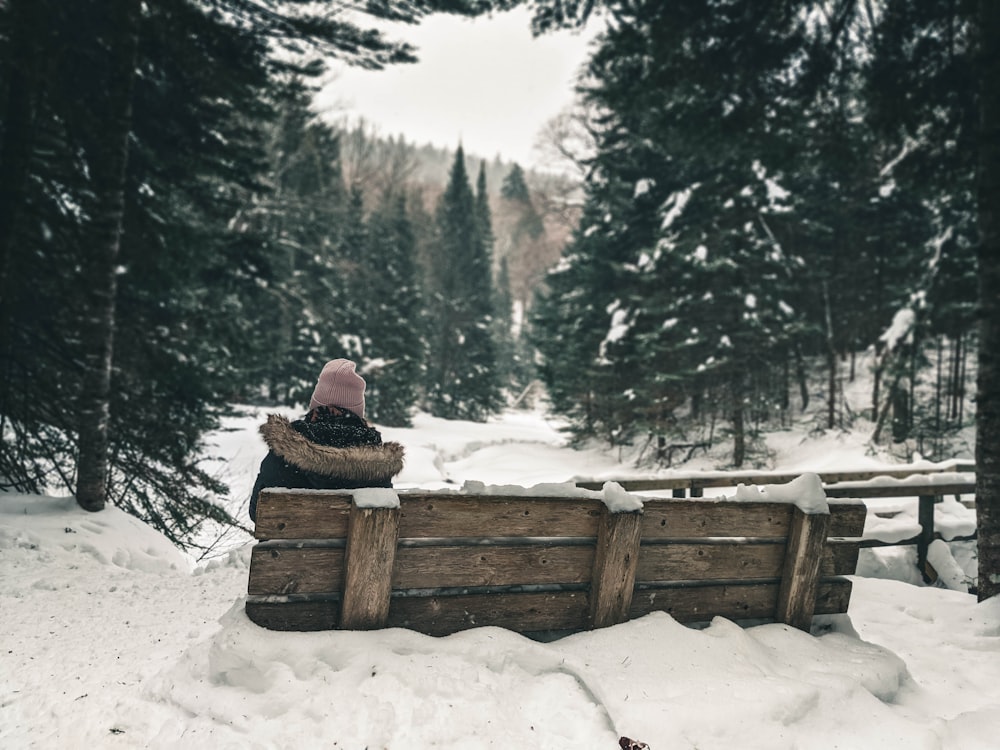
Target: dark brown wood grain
{"points": [[429, 515], [299, 615], [615, 561], [368, 561], [477, 565], [302, 514], [669, 518], [734, 602], [295, 570], [523, 612], [800, 573]]}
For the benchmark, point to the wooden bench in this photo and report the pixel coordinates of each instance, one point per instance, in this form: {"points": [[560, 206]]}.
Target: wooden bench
{"points": [[441, 562]]}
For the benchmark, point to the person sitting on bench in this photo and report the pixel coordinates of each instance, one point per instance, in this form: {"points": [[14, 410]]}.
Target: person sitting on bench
{"points": [[332, 447]]}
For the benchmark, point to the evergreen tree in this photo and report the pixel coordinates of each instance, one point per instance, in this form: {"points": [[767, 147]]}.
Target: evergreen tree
{"points": [[395, 320], [684, 193], [462, 381]]}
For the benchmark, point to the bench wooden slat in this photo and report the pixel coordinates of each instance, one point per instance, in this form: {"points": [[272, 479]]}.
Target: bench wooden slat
{"points": [[560, 610], [320, 569], [431, 515], [736, 602], [699, 562], [669, 518], [297, 514], [302, 615], [528, 611], [847, 517], [445, 566], [296, 570]]}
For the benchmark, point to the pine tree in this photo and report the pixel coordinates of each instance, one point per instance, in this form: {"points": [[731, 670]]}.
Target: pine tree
{"points": [[462, 380], [683, 201], [395, 332]]}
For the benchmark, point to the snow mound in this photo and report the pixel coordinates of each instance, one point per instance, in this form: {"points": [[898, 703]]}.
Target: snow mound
{"points": [[805, 492], [57, 530], [651, 678]]}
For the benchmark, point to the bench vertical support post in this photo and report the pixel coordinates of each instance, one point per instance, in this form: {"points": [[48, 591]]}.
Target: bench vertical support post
{"points": [[925, 517], [615, 564], [800, 574], [372, 534]]}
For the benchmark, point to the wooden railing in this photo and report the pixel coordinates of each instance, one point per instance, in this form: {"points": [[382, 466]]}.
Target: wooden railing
{"points": [[928, 484]]}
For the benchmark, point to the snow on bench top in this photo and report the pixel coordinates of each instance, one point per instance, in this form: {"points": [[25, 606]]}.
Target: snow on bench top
{"points": [[915, 479], [806, 492]]}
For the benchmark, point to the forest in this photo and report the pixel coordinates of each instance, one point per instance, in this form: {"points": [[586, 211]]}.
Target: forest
{"points": [[761, 191]]}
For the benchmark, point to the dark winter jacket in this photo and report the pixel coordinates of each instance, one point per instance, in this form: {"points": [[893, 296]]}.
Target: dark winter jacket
{"points": [[330, 448]]}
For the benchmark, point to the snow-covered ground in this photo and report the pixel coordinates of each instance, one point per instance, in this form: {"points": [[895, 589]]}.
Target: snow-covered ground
{"points": [[112, 638]]}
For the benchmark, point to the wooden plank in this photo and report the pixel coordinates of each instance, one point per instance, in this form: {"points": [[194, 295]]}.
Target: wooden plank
{"points": [[702, 603], [450, 566], [667, 518], [320, 569], [704, 562], [680, 484], [903, 490], [526, 612], [730, 479], [615, 561], [430, 515], [739, 602], [847, 517], [522, 612], [800, 575], [833, 596], [299, 514], [701, 562], [368, 561], [295, 570], [840, 558], [302, 615]]}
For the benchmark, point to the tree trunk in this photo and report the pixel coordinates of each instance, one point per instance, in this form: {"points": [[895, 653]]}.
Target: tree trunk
{"points": [[954, 375], [877, 380], [937, 387], [988, 383], [800, 375], [105, 140], [831, 363], [739, 425]]}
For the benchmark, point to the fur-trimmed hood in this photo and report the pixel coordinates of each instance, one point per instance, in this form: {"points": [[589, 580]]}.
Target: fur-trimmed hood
{"points": [[373, 464]]}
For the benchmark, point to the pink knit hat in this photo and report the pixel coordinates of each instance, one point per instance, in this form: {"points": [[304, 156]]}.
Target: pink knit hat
{"points": [[339, 385]]}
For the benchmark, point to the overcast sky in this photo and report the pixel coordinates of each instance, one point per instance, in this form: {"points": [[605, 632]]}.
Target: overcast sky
{"points": [[486, 83]]}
